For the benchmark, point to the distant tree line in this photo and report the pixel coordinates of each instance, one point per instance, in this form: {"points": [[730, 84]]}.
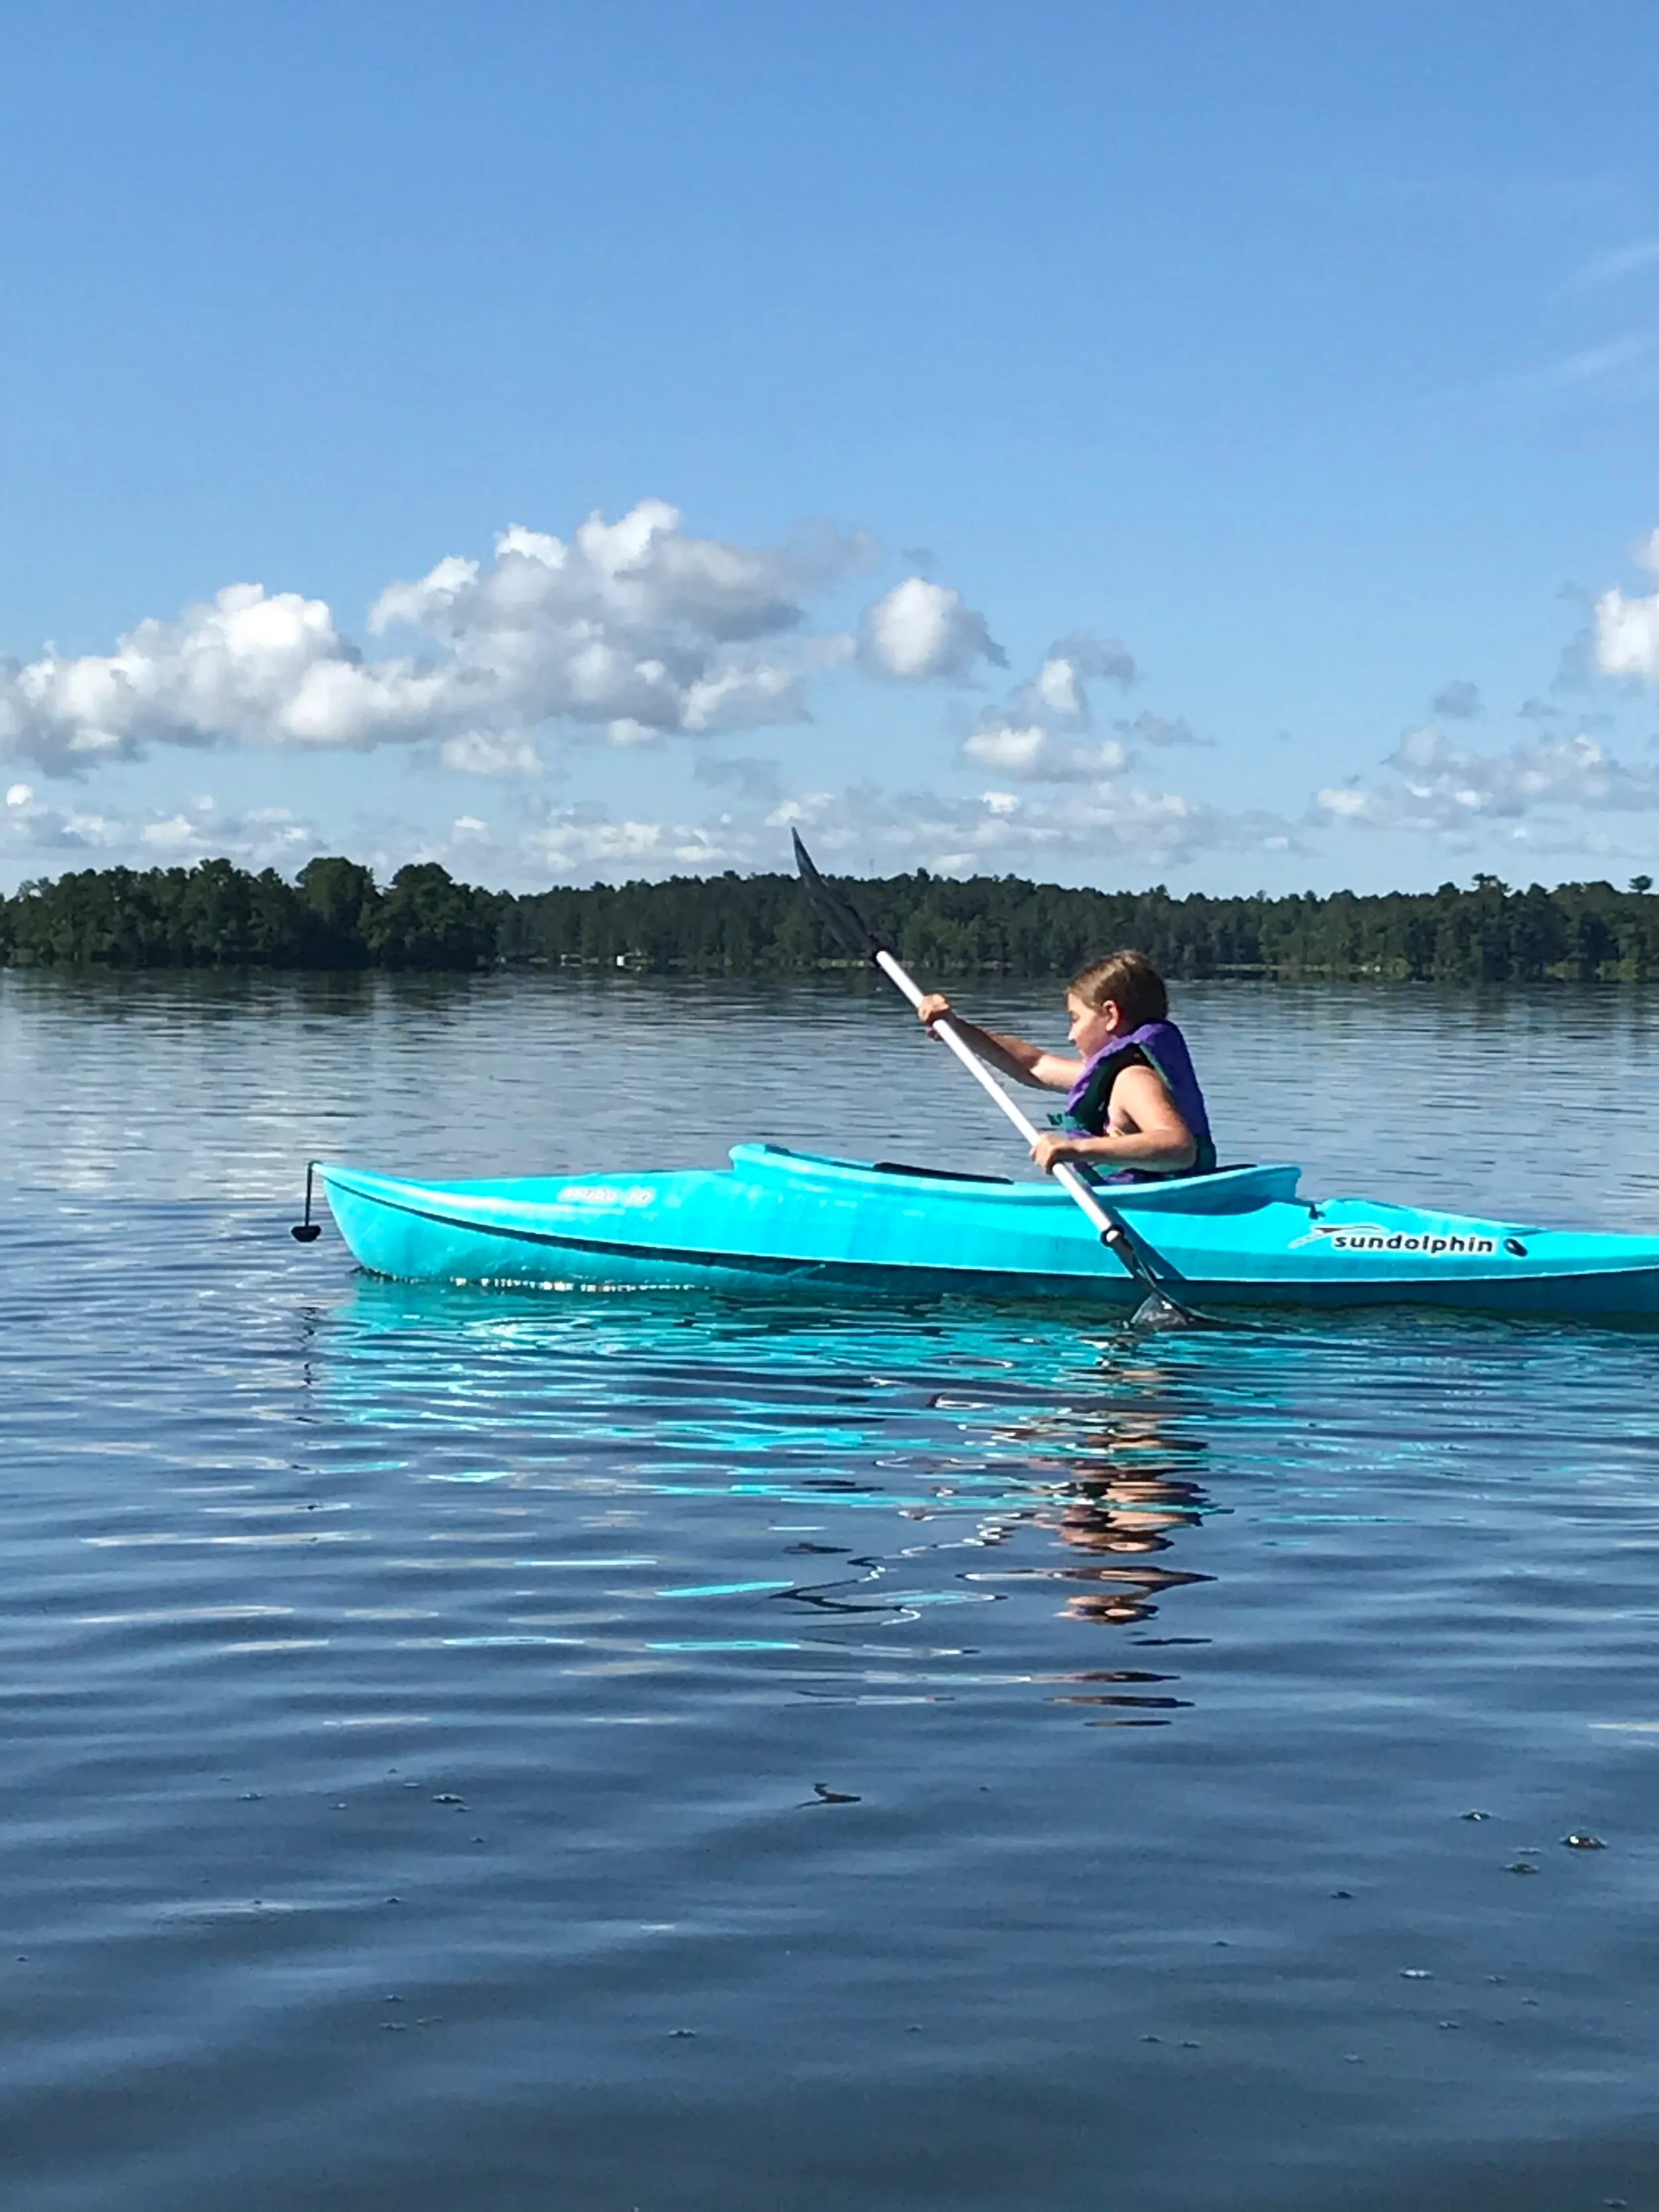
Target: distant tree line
{"points": [[335, 915]]}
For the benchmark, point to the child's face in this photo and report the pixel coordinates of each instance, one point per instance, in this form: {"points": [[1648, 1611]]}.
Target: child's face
{"points": [[1092, 1026]]}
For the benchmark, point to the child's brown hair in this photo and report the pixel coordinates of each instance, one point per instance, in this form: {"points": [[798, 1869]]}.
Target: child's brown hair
{"points": [[1131, 982]]}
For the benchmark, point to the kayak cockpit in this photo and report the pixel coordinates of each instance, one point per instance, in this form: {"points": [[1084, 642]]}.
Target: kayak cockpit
{"points": [[1226, 1190]]}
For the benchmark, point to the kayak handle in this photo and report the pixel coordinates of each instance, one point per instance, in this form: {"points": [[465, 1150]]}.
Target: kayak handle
{"points": [[307, 1231]]}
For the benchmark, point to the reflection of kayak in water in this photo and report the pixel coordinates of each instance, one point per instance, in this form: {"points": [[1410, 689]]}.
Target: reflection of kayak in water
{"points": [[783, 1220], [915, 1457]]}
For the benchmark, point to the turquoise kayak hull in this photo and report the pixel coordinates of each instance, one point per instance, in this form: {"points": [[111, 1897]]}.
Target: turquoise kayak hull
{"points": [[778, 1220]]}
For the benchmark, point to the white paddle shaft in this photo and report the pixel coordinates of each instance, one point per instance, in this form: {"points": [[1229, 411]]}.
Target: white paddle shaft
{"points": [[948, 1034]]}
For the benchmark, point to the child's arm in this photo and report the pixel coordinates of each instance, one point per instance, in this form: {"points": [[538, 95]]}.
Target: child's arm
{"points": [[1010, 1055], [1146, 1131]]}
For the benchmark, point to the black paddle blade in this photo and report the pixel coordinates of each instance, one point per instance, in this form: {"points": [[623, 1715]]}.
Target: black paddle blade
{"points": [[848, 924]]}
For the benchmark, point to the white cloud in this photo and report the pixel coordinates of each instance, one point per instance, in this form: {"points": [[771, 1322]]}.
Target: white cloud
{"points": [[479, 753], [1034, 755], [1627, 630], [1056, 689], [630, 625], [1432, 785], [583, 842], [632, 633], [743, 698], [919, 631], [1118, 831], [196, 829], [247, 667], [1116, 827], [1100, 829], [1059, 691], [626, 733], [1073, 661], [1040, 735]]}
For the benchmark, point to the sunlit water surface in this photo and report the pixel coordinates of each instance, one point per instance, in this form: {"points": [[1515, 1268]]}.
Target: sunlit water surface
{"points": [[518, 1753]]}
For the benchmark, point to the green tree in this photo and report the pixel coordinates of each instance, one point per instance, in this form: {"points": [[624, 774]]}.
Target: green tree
{"points": [[337, 902], [427, 919]]}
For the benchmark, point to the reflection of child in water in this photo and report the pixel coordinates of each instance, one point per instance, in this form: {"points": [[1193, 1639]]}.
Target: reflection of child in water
{"points": [[1123, 1504], [1127, 1517]]}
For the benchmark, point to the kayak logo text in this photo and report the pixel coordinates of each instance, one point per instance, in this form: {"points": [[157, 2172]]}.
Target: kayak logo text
{"points": [[1372, 1237]]}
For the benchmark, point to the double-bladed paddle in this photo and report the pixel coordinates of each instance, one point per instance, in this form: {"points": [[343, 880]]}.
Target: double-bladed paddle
{"points": [[1158, 1309]]}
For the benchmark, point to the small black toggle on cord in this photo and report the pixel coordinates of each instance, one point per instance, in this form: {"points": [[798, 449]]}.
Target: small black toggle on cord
{"points": [[307, 1231]]}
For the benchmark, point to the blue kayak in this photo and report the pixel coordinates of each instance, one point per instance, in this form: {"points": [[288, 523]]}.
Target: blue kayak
{"points": [[784, 1220]]}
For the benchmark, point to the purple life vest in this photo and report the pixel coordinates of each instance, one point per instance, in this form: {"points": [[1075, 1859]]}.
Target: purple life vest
{"points": [[1165, 1049]]}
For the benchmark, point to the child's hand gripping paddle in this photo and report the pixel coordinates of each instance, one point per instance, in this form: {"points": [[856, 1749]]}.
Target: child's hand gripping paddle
{"points": [[1159, 1308]]}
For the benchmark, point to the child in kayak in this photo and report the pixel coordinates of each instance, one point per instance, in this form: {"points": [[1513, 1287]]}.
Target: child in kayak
{"points": [[1133, 1106]]}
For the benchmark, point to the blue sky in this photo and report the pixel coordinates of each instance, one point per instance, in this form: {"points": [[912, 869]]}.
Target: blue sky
{"points": [[1211, 444]]}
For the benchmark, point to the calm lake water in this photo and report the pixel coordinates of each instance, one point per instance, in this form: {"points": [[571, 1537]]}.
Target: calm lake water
{"points": [[515, 1753]]}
